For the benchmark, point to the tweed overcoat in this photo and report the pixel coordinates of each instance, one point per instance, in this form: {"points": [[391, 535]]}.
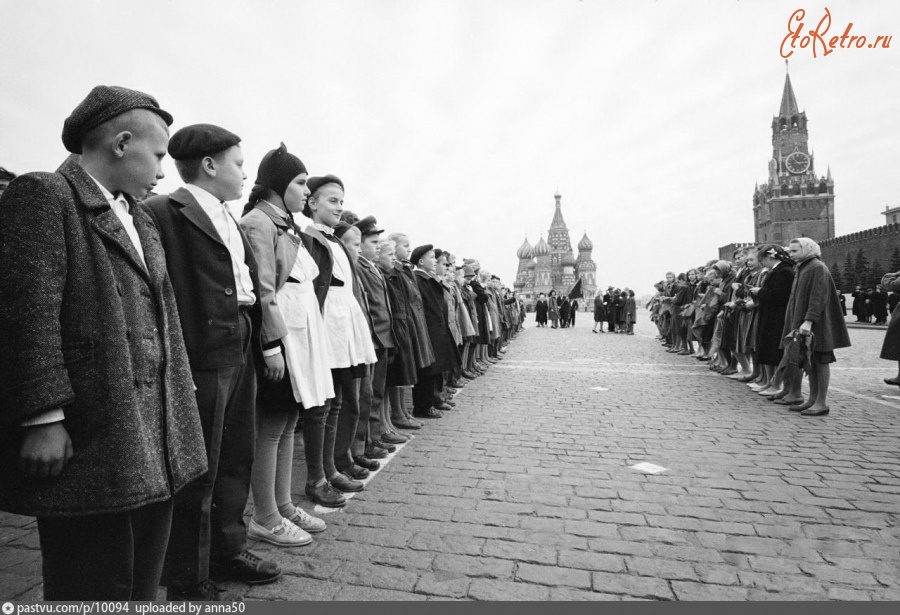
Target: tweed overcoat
{"points": [[202, 276], [814, 298], [87, 327]]}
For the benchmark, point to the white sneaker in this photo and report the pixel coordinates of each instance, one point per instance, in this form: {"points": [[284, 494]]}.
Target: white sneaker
{"points": [[285, 534], [306, 521]]}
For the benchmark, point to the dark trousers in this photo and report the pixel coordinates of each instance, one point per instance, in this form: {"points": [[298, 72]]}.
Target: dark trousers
{"points": [[371, 401], [208, 522], [343, 417], [426, 390], [117, 556]]}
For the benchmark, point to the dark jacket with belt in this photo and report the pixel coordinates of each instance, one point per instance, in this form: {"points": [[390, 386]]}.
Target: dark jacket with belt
{"points": [[88, 327], [199, 265]]}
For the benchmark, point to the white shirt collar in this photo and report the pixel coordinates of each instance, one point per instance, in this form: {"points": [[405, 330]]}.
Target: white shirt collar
{"points": [[204, 197], [323, 228]]}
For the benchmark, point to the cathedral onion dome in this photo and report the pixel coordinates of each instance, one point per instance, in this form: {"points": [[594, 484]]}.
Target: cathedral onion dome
{"points": [[530, 266], [525, 251], [541, 248], [568, 261], [585, 245]]}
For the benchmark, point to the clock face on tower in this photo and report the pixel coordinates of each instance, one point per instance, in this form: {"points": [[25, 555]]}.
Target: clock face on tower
{"points": [[797, 163]]}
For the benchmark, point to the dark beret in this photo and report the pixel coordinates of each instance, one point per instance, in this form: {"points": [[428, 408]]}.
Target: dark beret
{"points": [[419, 252], [438, 253], [314, 183], [199, 140], [348, 216], [103, 104], [368, 226], [341, 228]]}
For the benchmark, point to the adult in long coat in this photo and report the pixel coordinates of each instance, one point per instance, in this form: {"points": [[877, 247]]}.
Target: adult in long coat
{"points": [[859, 301], [879, 300], [540, 311], [599, 312], [91, 334], [772, 297], [814, 308], [890, 348], [553, 303]]}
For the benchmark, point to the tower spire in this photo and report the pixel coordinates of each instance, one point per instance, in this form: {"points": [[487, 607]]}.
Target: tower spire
{"points": [[788, 100]]}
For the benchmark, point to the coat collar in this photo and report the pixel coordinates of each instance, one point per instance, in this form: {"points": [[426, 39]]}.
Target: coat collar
{"points": [[104, 219], [277, 219], [193, 211]]}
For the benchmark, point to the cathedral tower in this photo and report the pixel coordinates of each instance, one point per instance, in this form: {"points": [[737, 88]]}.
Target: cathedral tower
{"points": [[793, 202], [586, 268], [562, 261]]}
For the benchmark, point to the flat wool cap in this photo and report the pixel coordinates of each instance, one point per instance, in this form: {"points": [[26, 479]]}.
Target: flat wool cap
{"points": [[198, 140], [103, 104], [368, 226], [314, 183], [419, 252]]}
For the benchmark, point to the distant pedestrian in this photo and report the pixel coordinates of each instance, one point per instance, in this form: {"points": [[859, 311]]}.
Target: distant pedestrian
{"points": [[540, 311], [599, 312]]}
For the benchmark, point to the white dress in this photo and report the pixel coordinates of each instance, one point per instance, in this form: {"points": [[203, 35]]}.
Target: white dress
{"points": [[348, 329], [306, 347]]}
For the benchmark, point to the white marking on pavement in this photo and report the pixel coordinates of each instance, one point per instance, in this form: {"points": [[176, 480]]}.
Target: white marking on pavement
{"points": [[648, 468], [858, 396], [890, 397], [599, 389], [324, 510]]}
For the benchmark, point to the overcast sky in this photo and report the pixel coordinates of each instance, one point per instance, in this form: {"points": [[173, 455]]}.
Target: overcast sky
{"points": [[456, 121]]}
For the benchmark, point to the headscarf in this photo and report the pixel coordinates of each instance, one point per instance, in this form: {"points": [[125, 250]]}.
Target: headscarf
{"points": [[723, 267], [808, 249], [775, 251]]}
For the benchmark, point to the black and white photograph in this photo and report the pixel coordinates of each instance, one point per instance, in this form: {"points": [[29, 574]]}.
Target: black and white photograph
{"points": [[467, 300]]}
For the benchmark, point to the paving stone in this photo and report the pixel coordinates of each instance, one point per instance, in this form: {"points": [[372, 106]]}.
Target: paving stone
{"points": [[553, 575], [355, 593], [451, 585], [520, 552], [587, 560], [638, 587], [384, 577], [294, 588], [696, 592], [491, 589], [661, 568], [474, 567]]}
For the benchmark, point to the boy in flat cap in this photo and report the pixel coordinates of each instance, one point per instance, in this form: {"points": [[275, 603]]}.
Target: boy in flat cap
{"points": [[214, 276], [98, 419], [371, 428]]}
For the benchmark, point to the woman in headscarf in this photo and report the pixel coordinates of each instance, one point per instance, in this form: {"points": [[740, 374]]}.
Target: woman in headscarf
{"points": [[772, 299], [814, 310]]}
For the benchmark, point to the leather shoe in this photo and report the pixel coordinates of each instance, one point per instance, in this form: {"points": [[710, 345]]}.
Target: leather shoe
{"points": [[404, 424], [390, 438], [356, 472], [369, 464], [390, 448], [892, 381], [469, 375], [375, 452], [247, 567], [345, 484], [450, 403], [323, 495], [443, 406], [431, 413]]}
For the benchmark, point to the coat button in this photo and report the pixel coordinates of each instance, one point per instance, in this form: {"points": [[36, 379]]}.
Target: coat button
{"points": [[233, 330], [229, 292], [209, 322], [223, 256]]}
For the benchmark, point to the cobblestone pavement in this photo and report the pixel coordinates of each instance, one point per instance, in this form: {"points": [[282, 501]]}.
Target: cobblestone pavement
{"points": [[526, 491]]}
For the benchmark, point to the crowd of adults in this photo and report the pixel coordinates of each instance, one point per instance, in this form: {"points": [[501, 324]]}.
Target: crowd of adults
{"points": [[764, 318], [158, 353]]}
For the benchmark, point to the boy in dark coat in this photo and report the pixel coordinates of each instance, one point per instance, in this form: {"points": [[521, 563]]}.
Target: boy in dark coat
{"points": [[98, 420], [214, 275]]}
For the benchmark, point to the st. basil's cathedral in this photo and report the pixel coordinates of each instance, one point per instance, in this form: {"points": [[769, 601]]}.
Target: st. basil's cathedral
{"points": [[551, 264]]}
